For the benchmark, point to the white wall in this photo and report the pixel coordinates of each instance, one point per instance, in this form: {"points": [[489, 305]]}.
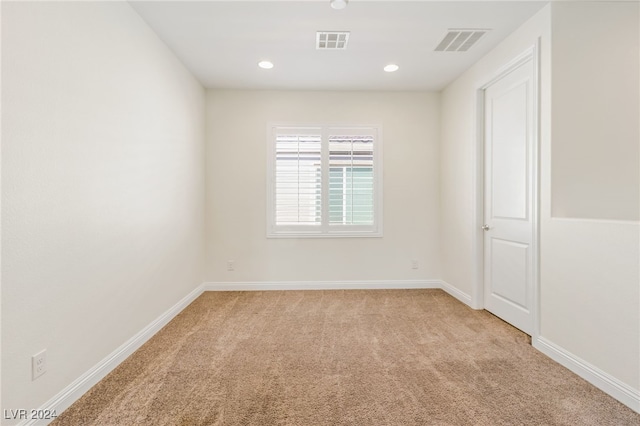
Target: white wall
{"points": [[103, 175], [236, 188], [458, 150], [102, 187], [595, 149], [589, 266]]}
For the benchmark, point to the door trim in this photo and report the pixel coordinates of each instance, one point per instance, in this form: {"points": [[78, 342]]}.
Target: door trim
{"points": [[477, 289]]}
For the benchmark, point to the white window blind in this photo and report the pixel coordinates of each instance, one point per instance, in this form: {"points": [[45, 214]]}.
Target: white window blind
{"points": [[298, 179], [324, 181]]}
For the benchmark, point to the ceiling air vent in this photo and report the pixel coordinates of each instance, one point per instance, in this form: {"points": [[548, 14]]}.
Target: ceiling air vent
{"points": [[332, 40], [460, 40]]}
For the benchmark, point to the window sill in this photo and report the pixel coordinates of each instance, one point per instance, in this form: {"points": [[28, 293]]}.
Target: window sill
{"points": [[305, 235]]}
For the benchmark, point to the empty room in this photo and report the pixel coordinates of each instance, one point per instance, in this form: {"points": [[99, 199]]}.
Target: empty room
{"points": [[320, 212]]}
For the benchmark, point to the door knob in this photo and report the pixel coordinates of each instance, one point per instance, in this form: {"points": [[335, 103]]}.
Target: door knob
{"points": [[485, 227]]}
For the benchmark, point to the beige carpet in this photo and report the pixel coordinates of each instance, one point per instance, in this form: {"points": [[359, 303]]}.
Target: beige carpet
{"points": [[397, 357]]}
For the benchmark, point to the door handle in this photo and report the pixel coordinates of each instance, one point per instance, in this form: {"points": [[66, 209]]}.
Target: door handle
{"points": [[485, 227]]}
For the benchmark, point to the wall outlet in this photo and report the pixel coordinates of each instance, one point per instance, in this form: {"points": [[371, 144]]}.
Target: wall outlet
{"points": [[39, 364], [231, 265], [414, 264]]}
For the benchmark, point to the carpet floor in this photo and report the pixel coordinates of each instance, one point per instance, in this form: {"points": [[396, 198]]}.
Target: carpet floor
{"points": [[353, 357]]}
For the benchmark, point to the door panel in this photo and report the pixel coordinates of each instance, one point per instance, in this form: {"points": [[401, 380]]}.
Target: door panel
{"points": [[509, 153], [508, 142], [509, 271]]}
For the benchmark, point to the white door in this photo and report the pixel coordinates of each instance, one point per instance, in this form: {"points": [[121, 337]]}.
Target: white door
{"points": [[509, 138]]}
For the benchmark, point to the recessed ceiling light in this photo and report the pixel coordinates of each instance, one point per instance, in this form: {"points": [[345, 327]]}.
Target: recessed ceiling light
{"points": [[391, 68], [265, 64], [338, 4]]}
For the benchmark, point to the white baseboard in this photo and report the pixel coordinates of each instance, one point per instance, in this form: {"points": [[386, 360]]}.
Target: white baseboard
{"points": [[458, 294], [320, 285], [608, 384], [603, 381], [82, 384], [65, 398]]}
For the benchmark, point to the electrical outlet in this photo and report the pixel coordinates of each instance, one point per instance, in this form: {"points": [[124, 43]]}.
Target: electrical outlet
{"points": [[414, 264], [39, 364], [231, 265]]}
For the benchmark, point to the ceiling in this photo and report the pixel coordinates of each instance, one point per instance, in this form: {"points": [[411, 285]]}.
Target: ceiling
{"points": [[221, 42]]}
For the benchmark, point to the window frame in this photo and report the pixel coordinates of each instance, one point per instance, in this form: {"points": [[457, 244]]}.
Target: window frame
{"points": [[324, 230]]}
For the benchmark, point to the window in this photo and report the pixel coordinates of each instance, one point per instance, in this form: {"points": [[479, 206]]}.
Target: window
{"points": [[324, 181]]}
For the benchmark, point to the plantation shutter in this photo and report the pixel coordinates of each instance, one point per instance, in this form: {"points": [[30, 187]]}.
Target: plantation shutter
{"points": [[351, 178], [324, 181], [298, 177]]}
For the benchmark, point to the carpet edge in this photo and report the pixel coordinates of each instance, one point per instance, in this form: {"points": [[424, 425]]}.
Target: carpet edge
{"points": [[65, 398], [600, 379], [321, 285], [70, 394], [458, 294]]}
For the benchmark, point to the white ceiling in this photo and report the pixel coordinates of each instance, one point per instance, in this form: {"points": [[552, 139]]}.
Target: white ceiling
{"points": [[221, 42]]}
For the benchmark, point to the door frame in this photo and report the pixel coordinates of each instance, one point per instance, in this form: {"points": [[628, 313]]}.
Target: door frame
{"points": [[477, 289]]}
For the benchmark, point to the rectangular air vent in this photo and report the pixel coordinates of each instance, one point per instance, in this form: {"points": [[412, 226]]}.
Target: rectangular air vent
{"points": [[332, 40], [460, 40]]}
